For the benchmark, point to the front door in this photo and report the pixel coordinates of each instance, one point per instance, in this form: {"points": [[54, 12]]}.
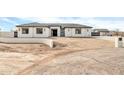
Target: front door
{"points": [[54, 32], [15, 34]]}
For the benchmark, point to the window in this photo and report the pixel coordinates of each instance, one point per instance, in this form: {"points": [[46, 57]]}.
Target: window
{"points": [[39, 30], [25, 30], [77, 31]]}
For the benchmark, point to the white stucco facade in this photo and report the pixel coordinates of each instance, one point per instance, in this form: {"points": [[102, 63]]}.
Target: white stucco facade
{"points": [[32, 32], [47, 32], [70, 32], [46, 41]]}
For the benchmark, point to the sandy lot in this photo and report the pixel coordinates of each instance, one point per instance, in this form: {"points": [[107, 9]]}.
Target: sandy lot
{"points": [[73, 56]]}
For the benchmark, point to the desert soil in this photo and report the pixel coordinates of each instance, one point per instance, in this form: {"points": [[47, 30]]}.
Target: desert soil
{"points": [[70, 56]]}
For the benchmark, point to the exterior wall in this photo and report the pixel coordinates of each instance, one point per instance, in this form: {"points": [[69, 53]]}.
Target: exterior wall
{"points": [[70, 32], [6, 34], [123, 41], [104, 33], [86, 32], [110, 38], [25, 35], [46, 41], [32, 32], [58, 30], [46, 33]]}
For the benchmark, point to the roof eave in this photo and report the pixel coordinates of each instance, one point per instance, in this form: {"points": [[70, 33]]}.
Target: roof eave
{"points": [[32, 26], [77, 27]]}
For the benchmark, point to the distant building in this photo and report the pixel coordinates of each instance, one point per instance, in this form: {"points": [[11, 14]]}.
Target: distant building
{"points": [[101, 32]]}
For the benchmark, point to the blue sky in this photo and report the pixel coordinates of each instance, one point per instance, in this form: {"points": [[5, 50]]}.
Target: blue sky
{"points": [[8, 23]]}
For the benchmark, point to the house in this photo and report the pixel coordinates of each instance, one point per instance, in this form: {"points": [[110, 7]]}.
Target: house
{"points": [[52, 30], [102, 32], [95, 33]]}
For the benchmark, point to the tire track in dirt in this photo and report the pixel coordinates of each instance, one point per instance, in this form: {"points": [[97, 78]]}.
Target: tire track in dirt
{"points": [[48, 59]]}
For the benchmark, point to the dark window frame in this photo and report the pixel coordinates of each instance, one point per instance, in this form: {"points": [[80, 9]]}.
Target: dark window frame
{"points": [[25, 30], [39, 30], [78, 31]]}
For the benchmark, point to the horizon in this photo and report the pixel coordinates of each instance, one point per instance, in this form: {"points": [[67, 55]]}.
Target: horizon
{"points": [[111, 23]]}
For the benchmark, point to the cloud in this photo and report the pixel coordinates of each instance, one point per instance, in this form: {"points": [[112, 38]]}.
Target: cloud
{"points": [[109, 18], [108, 23], [7, 19], [2, 28], [97, 22], [44, 19]]}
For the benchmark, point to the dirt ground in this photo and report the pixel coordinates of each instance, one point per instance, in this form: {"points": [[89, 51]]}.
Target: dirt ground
{"points": [[70, 56]]}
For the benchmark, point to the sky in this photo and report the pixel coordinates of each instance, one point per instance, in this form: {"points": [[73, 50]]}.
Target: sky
{"points": [[112, 23]]}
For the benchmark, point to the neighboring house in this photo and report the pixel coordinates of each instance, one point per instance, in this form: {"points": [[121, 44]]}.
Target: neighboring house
{"points": [[52, 29], [95, 33], [102, 32]]}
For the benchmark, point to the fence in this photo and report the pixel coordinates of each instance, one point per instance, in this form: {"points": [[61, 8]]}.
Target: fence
{"points": [[46, 41], [110, 38], [105, 38]]}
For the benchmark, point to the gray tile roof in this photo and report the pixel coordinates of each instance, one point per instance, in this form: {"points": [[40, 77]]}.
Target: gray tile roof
{"points": [[63, 25]]}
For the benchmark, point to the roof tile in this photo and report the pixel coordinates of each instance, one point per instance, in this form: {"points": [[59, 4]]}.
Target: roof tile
{"points": [[63, 25]]}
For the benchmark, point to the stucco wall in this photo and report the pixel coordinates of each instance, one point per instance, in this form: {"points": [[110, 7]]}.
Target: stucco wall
{"points": [[105, 38], [110, 38], [123, 41], [46, 33], [32, 32], [6, 34], [46, 41], [104, 33], [70, 32], [86, 32]]}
